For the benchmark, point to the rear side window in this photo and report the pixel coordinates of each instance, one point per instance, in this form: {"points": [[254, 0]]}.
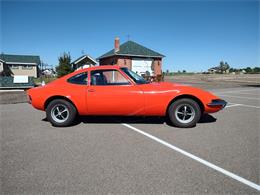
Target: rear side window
{"points": [[80, 79]]}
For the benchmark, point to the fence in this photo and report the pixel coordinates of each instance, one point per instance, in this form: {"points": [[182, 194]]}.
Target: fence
{"points": [[8, 82]]}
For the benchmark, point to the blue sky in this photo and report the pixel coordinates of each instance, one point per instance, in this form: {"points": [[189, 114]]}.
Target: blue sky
{"points": [[193, 35]]}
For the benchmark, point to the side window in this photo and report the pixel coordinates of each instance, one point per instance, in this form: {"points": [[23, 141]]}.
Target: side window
{"points": [[80, 79], [108, 77]]}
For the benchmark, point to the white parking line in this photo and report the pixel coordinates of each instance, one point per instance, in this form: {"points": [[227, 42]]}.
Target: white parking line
{"points": [[200, 160], [241, 93], [235, 91], [250, 98], [232, 105], [250, 106], [244, 105]]}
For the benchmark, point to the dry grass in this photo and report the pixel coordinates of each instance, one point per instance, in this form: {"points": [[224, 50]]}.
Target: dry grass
{"points": [[245, 78], [216, 81]]}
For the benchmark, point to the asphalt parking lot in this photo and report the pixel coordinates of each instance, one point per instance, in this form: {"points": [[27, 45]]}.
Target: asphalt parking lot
{"points": [[102, 155]]}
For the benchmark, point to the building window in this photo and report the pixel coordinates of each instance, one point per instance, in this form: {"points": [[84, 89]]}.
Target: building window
{"points": [[14, 66], [26, 67]]}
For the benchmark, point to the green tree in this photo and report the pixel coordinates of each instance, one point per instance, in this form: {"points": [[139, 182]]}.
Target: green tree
{"points": [[64, 66], [223, 66], [248, 69], [232, 70], [6, 71], [227, 66], [256, 70]]}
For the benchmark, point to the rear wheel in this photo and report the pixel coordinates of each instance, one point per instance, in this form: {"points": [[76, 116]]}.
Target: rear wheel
{"points": [[184, 113], [60, 113]]}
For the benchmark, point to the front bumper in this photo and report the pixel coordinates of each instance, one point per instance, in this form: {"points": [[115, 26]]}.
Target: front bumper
{"points": [[217, 103]]}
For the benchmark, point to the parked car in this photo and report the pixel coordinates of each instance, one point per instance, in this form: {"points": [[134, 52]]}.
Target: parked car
{"points": [[114, 90]]}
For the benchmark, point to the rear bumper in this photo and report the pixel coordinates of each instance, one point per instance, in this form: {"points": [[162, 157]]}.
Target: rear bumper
{"points": [[217, 103]]}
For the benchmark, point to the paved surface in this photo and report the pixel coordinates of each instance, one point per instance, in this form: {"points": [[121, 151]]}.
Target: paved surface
{"points": [[99, 155]]}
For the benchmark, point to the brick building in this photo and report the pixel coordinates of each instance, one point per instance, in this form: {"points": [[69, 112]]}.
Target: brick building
{"points": [[135, 56]]}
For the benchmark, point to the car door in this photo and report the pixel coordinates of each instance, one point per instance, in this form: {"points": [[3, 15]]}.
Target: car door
{"points": [[111, 93], [76, 88]]}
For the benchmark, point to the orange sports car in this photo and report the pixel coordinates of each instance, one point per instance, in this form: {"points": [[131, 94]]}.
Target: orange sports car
{"points": [[114, 90]]}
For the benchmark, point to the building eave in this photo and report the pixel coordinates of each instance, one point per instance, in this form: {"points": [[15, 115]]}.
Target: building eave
{"points": [[20, 59], [83, 57], [23, 63], [130, 55]]}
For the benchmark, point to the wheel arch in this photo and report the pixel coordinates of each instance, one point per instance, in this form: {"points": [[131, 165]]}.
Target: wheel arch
{"points": [[46, 103], [202, 108]]}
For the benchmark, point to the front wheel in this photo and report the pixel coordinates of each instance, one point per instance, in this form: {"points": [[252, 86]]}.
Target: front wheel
{"points": [[184, 113], [60, 113]]}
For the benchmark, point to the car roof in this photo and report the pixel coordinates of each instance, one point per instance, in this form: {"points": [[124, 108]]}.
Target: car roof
{"points": [[100, 67]]}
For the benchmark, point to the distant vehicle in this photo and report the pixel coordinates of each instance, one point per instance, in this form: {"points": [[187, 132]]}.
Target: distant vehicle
{"points": [[114, 90], [49, 72]]}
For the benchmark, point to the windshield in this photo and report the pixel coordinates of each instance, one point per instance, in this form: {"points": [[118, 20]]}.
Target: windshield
{"points": [[137, 78]]}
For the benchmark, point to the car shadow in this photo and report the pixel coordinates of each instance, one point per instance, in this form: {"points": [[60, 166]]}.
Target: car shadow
{"points": [[252, 85], [122, 119], [206, 118]]}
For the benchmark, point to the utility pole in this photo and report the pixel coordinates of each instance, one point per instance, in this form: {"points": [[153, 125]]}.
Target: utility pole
{"points": [[41, 65]]}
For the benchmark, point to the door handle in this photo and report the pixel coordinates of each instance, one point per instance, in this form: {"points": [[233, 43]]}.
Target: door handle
{"points": [[91, 90]]}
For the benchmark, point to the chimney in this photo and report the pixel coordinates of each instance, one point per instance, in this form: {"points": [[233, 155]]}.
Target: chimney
{"points": [[116, 45]]}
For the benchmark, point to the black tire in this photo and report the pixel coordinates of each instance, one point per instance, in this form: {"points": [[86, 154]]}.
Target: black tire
{"points": [[58, 118], [177, 111]]}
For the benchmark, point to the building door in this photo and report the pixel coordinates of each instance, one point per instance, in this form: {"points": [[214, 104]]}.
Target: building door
{"points": [[141, 66]]}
